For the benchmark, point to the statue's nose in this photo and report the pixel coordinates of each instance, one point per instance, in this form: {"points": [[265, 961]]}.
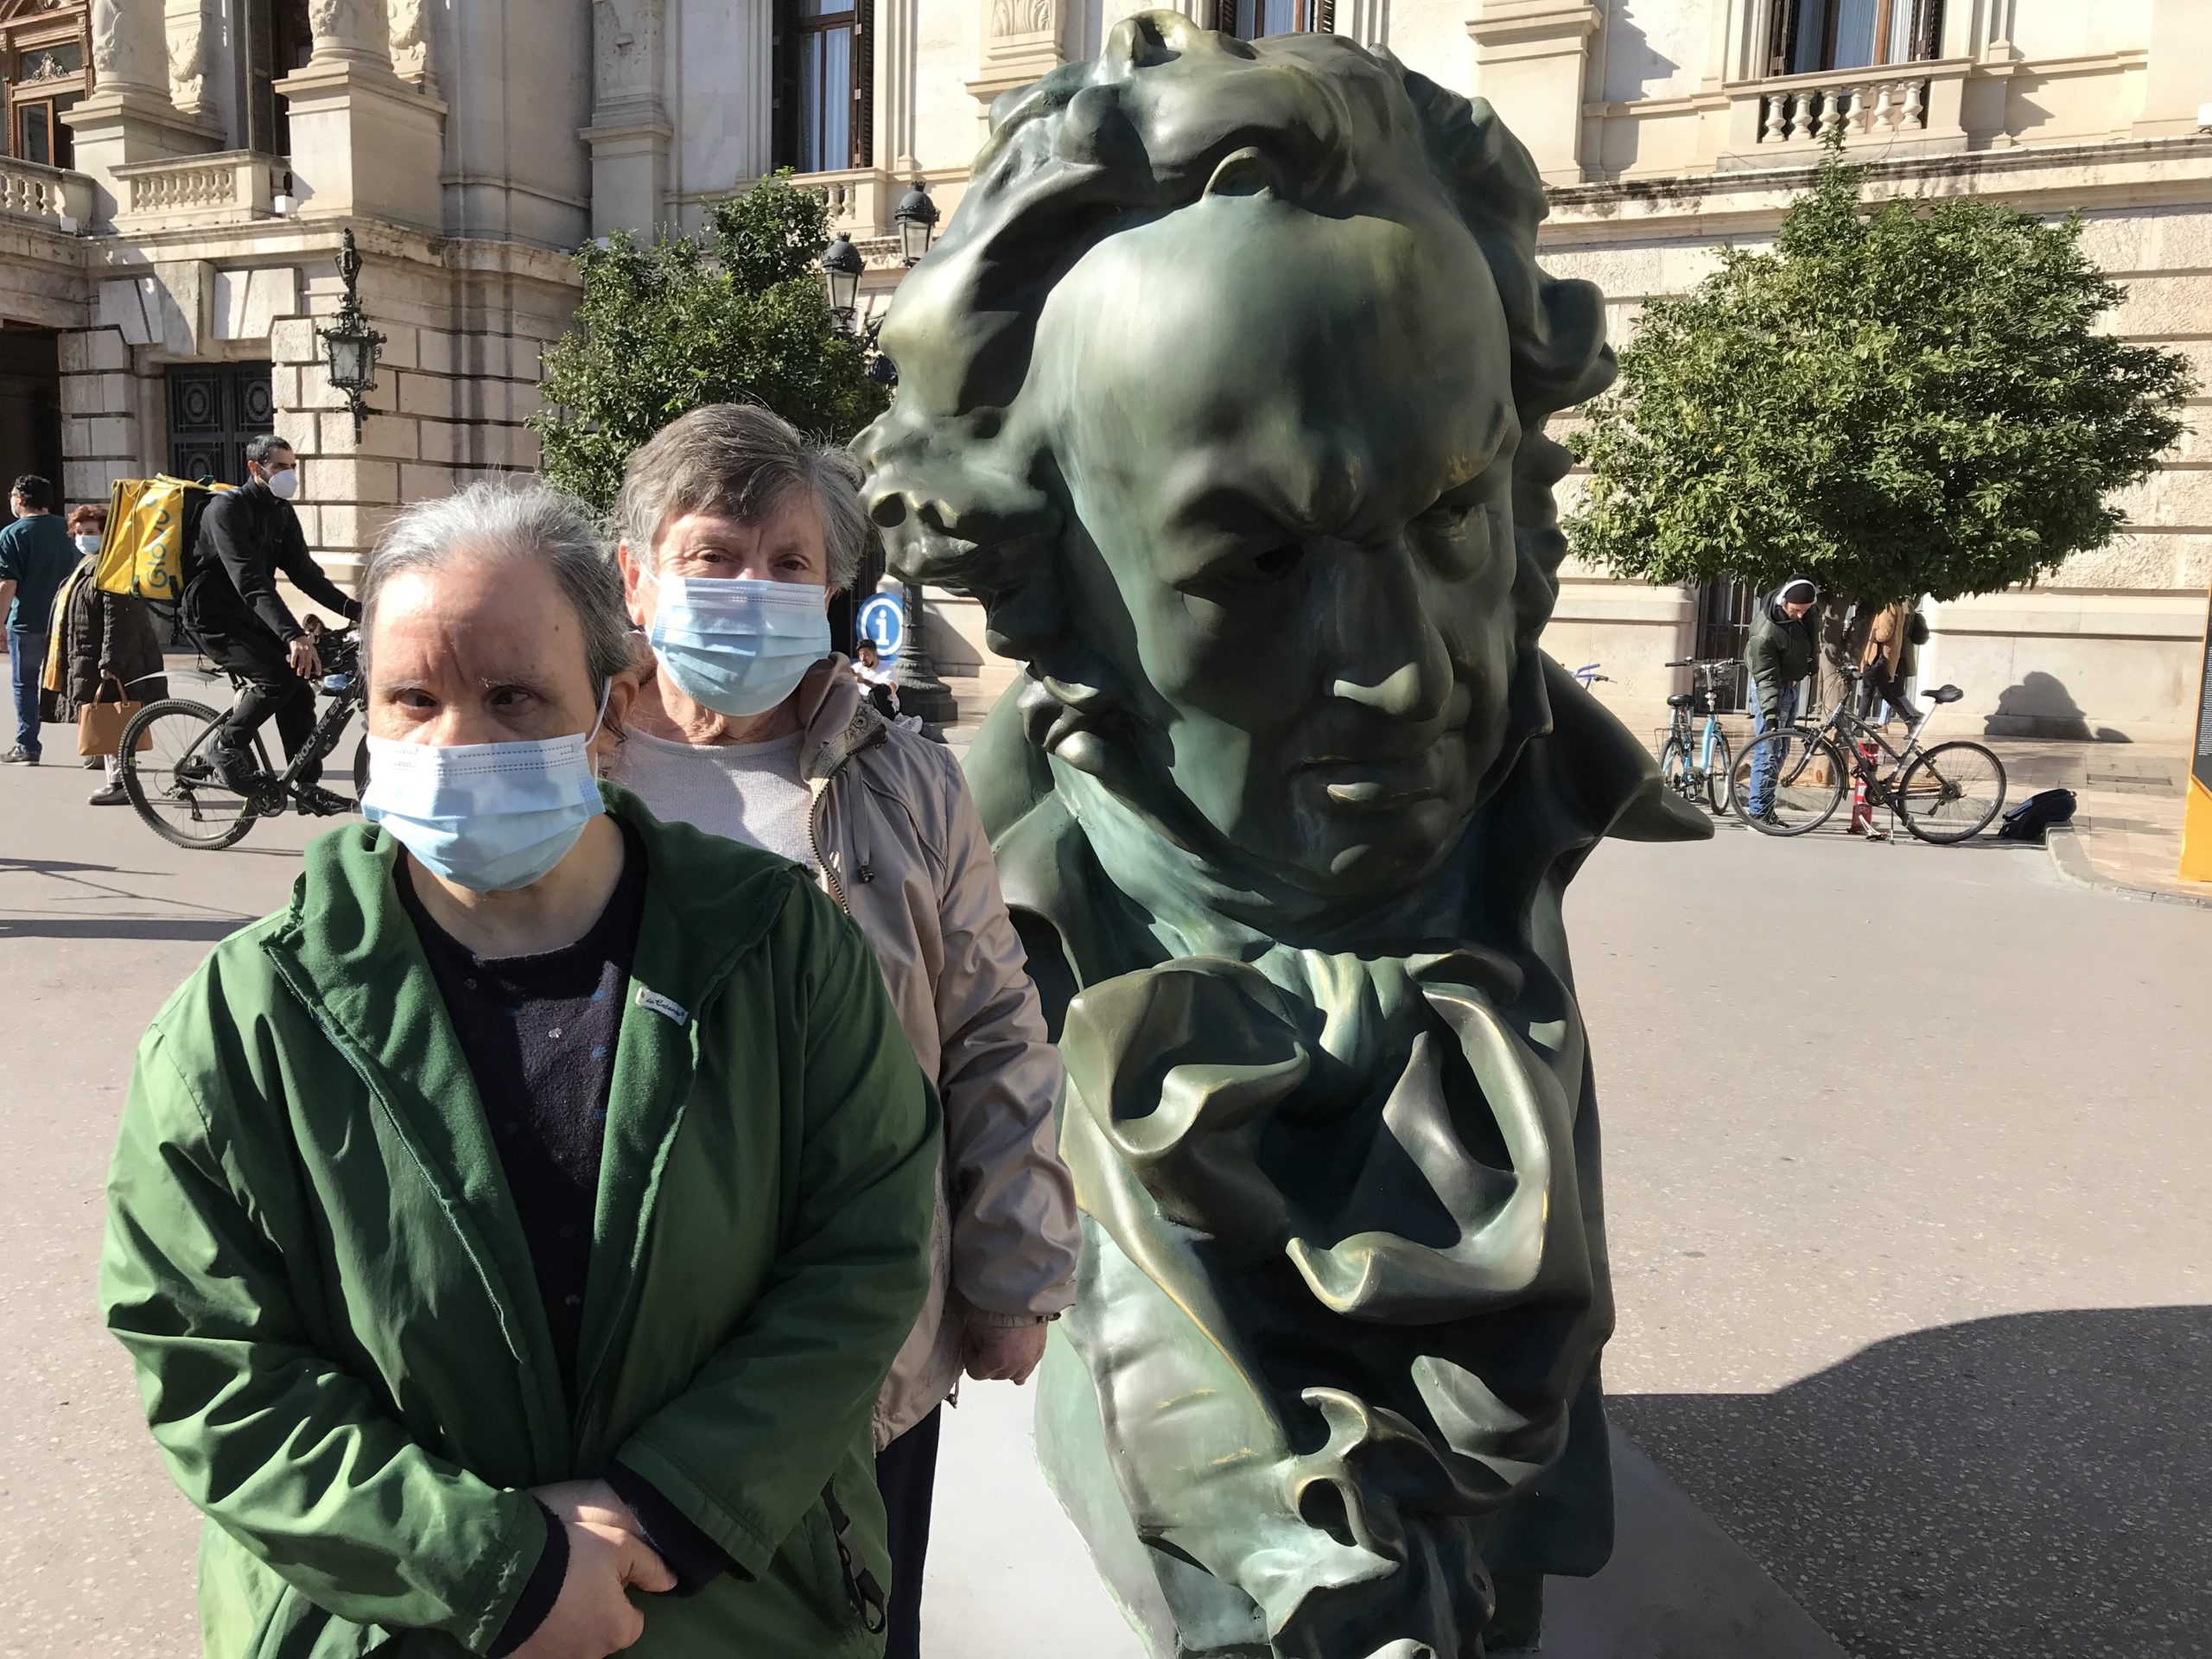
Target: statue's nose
{"points": [[1389, 655]]}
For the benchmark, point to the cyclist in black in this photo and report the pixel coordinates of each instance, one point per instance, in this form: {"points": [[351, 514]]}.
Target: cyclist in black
{"points": [[232, 608]]}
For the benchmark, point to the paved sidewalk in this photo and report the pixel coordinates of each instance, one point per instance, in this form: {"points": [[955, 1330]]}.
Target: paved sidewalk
{"points": [[2126, 828]]}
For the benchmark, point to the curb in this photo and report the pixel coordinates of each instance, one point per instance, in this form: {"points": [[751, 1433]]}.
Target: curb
{"points": [[2067, 857]]}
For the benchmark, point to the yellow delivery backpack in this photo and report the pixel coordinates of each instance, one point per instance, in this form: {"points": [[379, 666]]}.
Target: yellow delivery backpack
{"points": [[152, 523]]}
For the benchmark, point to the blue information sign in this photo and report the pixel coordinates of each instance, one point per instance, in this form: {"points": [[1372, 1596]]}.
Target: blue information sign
{"points": [[883, 619]]}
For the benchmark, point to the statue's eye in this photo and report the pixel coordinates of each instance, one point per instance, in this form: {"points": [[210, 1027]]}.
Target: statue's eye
{"points": [[1445, 518], [1271, 566]]}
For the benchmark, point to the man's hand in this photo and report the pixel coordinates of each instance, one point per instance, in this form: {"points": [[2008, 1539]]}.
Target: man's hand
{"points": [[593, 1615], [1004, 1353], [307, 662]]}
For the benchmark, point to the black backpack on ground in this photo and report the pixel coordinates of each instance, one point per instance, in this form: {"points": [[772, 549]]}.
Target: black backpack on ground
{"points": [[2032, 817]]}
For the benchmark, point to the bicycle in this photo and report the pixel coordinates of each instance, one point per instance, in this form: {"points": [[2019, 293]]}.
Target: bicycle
{"points": [[1589, 676], [1946, 794], [1709, 773], [170, 778]]}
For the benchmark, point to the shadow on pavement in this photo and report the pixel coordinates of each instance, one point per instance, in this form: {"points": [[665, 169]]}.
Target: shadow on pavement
{"points": [[209, 928], [2039, 1483]]}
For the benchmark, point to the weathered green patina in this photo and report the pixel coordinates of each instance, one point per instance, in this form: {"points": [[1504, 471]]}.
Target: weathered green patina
{"points": [[1223, 391]]}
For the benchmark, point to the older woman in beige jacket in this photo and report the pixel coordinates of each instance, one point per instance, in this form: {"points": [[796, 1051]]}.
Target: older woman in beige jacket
{"points": [[734, 531]]}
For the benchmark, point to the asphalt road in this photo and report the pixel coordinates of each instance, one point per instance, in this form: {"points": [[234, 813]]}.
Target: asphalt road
{"points": [[1905, 1164]]}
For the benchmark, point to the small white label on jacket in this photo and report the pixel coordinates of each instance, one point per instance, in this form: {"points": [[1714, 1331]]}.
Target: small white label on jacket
{"points": [[662, 1004]]}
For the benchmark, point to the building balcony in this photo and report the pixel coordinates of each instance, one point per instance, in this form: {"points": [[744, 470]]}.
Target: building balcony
{"points": [[47, 196], [1901, 108], [232, 186]]}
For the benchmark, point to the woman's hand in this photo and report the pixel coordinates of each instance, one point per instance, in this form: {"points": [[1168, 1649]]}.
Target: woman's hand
{"points": [[594, 1502], [593, 1615], [1004, 1353]]}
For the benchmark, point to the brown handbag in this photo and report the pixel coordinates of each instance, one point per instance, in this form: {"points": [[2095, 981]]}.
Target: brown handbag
{"points": [[99, 725]]}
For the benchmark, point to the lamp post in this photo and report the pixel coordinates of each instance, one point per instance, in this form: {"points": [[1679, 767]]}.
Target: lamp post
{"points": [[920, 691], [351, 346]]}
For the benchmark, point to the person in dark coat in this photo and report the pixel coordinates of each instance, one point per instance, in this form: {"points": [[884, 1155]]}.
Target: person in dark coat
{"points": [[232, 608], [110, 651], [1778, 655]]}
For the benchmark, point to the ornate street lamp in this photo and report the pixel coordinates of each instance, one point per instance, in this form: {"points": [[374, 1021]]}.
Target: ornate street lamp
{"points": [[840, 275], [350, 347], [916, 217]]}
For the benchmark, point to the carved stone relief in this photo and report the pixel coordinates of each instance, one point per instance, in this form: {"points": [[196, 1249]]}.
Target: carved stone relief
{"points": [[128, 49], [626, 42], [187, 67], [409, 30]]}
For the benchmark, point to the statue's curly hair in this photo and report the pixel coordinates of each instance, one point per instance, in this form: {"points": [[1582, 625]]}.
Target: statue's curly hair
{"points": [[964, 490]]}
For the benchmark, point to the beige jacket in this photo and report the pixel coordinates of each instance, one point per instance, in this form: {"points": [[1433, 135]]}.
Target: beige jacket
{"points": [[900, 848]]}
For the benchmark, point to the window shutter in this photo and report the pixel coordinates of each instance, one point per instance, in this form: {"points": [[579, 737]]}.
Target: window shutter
{"points": [[1325, 15], [1781, 35], [1221, 15], [863, 148], [783, 98]]}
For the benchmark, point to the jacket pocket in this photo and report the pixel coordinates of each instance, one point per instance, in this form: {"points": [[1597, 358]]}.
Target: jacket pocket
{"points": [[832, 1557]]}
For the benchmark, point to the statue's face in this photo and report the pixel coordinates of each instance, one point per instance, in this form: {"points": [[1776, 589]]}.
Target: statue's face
{"points": [[1289, 440]]}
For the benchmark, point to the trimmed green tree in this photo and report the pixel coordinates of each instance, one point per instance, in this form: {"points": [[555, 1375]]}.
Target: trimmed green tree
{"points": [[1911, 400], [733, 313]]}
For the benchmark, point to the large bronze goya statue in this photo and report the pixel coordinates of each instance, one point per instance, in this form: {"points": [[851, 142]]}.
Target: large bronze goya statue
{"points": [[1223, 392]]}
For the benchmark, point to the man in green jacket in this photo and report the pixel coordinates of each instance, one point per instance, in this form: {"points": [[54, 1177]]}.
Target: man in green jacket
{"points": [[512, 1236], [1778, 654]]}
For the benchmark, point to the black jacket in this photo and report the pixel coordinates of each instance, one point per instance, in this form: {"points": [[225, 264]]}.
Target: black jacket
{"points": [[247, 536]]}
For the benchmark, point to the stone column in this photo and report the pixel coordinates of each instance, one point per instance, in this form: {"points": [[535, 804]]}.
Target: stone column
{"points": [[365, 144], [630, 134], [129, 117], [1530, 60], [350, 31]]}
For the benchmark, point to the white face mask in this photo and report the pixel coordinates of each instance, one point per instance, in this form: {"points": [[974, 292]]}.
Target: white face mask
{"points": [[88, 544], [284, 485]]}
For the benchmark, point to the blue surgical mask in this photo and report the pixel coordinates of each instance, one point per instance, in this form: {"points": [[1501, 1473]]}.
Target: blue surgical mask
{"points": [[487, 816], [736, 644]]}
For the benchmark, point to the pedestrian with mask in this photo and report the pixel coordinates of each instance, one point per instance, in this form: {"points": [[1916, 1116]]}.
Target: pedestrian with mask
{"points": [[247, 537], [110, 649], [512, 1233], [36, 556], [735, 532], [1780, 653]]}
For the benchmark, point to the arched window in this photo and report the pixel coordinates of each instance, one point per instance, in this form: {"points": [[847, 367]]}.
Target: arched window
{"points": [[1811, 37], [47, 64]]}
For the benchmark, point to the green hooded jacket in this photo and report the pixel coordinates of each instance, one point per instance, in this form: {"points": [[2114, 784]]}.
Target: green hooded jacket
{"points": [[314, 1261]]}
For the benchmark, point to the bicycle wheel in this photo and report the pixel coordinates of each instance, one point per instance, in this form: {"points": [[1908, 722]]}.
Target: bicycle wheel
{"points": [[172, 784], [1804, 782], [1719, 782], [1673, 767], [1951, 793]]}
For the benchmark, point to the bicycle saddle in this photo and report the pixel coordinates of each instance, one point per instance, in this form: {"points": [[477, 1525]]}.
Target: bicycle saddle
{"points": [[1944, 693], [1682, 700]]}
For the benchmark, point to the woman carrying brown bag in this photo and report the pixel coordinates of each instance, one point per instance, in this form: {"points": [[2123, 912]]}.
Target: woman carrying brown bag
{"points": [[110, 653]]}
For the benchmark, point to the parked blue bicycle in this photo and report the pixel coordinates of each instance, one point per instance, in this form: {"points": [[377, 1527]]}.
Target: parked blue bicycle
{"points": [[1696, 765]]}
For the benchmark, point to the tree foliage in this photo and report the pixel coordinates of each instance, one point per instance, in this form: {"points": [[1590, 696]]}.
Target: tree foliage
{"points": [[1911, 400], [733, 313]]}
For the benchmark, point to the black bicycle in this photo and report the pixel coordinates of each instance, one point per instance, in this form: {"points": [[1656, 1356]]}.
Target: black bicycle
{"points": [[1945, 794], [169, 769]]}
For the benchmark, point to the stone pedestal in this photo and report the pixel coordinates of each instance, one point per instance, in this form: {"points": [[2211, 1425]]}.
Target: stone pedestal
{"points": [[122, 124], [365, 144]]}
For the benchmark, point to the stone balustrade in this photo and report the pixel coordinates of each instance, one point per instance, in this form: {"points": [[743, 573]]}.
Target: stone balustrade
{"points": [[45, 195], [229, 186], [1786, 117]]}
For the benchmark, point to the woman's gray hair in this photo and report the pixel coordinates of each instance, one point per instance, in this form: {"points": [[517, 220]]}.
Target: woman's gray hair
{"points": [[511, 518], [744, 462]]}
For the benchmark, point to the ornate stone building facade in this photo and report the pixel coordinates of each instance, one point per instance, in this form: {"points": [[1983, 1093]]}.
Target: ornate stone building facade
{"points": [[178, 172]]}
